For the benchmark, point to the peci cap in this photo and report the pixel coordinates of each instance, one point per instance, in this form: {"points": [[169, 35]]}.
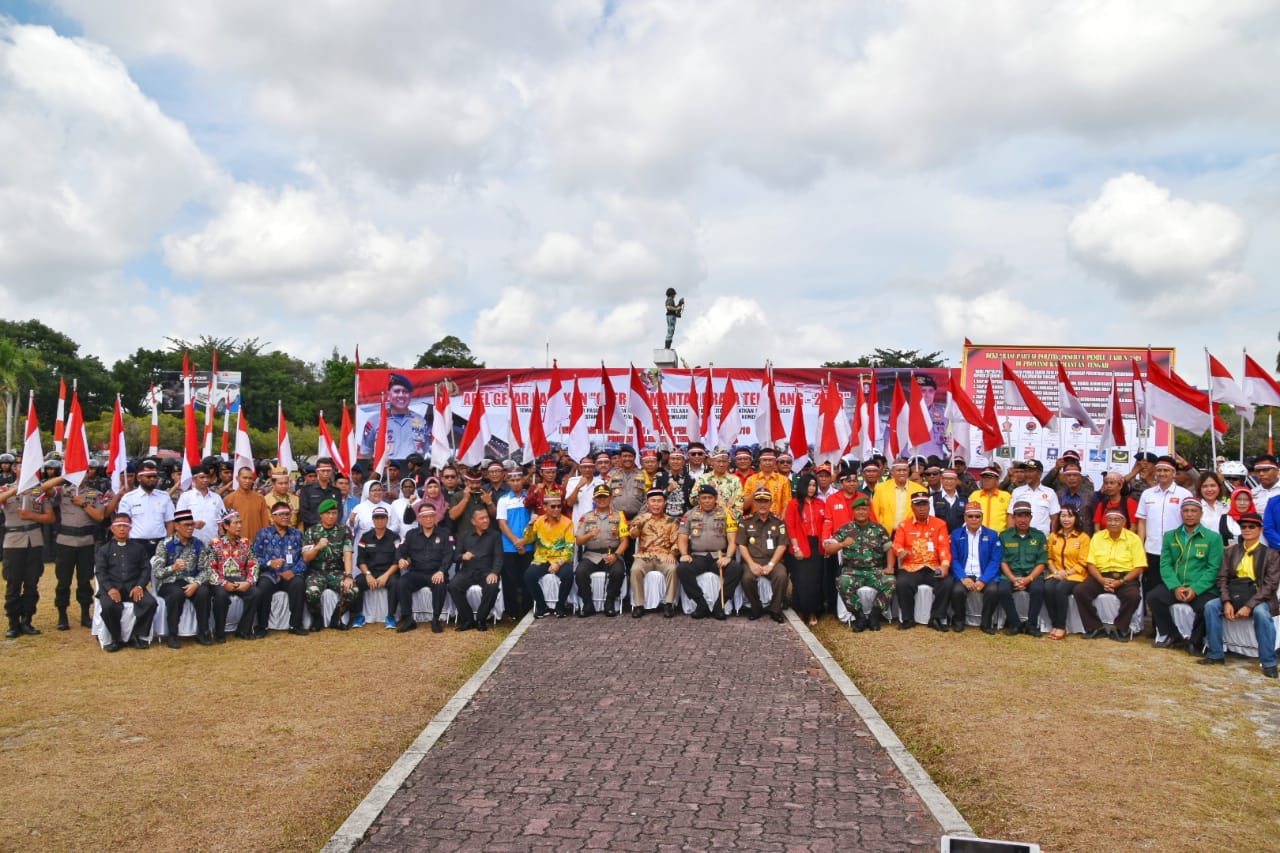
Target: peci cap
{"points": [[1021, 508]]}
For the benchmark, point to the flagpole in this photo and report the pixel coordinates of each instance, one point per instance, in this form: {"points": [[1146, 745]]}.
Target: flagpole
{"points": [[1213, 435], [1008, 440]]}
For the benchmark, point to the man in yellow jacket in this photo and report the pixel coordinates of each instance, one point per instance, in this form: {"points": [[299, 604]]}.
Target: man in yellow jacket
{"points": [[892, 499]]}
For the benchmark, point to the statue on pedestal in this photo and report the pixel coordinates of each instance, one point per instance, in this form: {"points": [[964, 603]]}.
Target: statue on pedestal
{"points": [[674, 311]]}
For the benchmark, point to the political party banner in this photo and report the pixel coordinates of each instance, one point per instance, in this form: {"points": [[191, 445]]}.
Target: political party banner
{"points": [[1091, 372], [411, 395]]}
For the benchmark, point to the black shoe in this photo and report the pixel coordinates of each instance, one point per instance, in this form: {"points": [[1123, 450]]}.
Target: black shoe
{"points": [[173, 642], [14, 631], [1210, 661], [777, 617], [482, 625], [245, 635], [63, 624], [906, 624], [858, 623], [1118, 637], [1032, 631], [220, 638], [86, 618], [205, 639], [436, 627], [405, 625], [260, 634], [958, 626], [1094, 635], [541, 613], [587, 610], [140, 643], [754, 614], [464, 626], [989, 629], [610, 610], [1013, 630], [938, 625], [113, 646], [875, 620], [301, 632], [637, 612], [668, 610], [1167, 643], [29, 629], [701, 611], [562, 611], [718, 613], [1269, 672]]}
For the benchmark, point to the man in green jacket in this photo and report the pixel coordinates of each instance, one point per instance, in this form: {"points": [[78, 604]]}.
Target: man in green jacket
{"points": [[1189, 563]]}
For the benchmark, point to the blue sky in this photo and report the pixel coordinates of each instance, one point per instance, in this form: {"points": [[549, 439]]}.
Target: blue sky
{"points": [[816, 184]]}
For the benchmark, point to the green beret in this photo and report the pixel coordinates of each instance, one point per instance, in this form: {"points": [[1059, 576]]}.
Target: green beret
{"points": [[327, 505], [860, 500]]}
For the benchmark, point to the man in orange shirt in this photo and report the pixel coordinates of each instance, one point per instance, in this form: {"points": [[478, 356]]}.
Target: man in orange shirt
{"points": [[922, 547]]}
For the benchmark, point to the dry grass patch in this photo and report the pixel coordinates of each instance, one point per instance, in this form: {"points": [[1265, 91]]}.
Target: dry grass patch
{"points": [[169, 750], [1079, 745]]}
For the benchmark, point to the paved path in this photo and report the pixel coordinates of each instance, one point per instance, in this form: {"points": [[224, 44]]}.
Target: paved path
{"points": [[617, 734]]}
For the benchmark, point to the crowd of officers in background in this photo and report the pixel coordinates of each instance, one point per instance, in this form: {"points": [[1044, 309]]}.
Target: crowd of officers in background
{"points": [[1161, 533]]}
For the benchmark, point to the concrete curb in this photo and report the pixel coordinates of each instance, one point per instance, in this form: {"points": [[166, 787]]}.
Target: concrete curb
{"points": [[946, 814], [352, 831]]}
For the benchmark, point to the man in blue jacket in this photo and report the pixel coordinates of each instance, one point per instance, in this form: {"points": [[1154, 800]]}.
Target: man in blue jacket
{"points": [[975, 566], [1271, 524]]}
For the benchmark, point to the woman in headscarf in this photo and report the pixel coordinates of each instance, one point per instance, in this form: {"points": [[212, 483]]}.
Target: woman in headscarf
{"points": [[403, 515], [433, 493], [1229, 525], [361, 520]]}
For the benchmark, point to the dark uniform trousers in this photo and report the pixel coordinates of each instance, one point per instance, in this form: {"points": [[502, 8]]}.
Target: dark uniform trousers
{"points": [[22, 570], [248, 613], [514, 565], [174, 595], [392, 588], [296, 589], [1130, 595], [614, 576], [704, 562], [905, 586], [1001, 593], [1161, 599], [777, 578], [144, 613], [411, 582], [462, 581], [73, 562]]}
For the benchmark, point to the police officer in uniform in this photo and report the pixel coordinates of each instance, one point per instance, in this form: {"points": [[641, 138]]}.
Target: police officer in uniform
{"points": [[603, 536], [123, 569], [707, 542], [83, 510], [23, 555], [762, 542], [627, 484], [406, 429]]}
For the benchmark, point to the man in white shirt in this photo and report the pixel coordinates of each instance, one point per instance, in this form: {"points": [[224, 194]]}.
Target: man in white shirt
{"points": [[1043, 500], [205, 505], [1268, 477], [150, 509], [1159, 511]]}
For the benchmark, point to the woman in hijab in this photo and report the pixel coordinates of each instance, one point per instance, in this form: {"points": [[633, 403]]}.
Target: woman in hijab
{"points": [[403, 515], [361, 519], [1229, 525], [433, 493]]}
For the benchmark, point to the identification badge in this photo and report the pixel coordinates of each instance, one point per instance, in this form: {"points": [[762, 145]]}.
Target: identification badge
{"points": [[768, 543]]}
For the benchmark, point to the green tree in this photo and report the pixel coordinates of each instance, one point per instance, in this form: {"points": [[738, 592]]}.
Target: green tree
{"points": [[19, 369], [883, 357], [449, 351], [132, 376], [60, 358]]}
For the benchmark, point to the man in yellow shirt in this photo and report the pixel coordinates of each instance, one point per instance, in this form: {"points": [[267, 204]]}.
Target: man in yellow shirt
{"points": [[993, 500], [552, 554], [1117, 560], [768, 477], [891, 502]]}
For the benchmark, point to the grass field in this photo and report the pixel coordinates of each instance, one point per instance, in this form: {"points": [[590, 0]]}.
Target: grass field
{"points": [[263, 745], [1080, 745]]}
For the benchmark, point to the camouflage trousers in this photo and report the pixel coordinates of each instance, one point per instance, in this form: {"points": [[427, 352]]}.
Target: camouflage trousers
{"points": [[318, 582], [851, 579]]}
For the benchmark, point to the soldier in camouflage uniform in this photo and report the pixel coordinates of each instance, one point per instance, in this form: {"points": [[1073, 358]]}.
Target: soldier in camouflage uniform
{"points": [[864, 546], [183, 569], [326, 549]]}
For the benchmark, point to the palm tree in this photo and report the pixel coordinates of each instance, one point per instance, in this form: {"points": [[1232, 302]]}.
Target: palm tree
{"points": [[18, 367]]}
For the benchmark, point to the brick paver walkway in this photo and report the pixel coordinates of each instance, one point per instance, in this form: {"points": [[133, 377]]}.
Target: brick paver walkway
{"points": [[617, 734]]}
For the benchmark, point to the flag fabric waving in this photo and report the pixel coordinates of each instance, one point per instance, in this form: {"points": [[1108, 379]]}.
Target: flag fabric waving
{"points": [[1171, 399], [59, 422], [1113, 432], [441, 426], [346, 443], [768, 423], [75, 464], [1017, 393], [1225, 390], [1260, 387], [992, 419], [1069, 405], [799, 438], [609, 415], [538, 444], [244, 450], [638, 403], [515, 432], [477, 433], [381, 447], [117, 455], [328, 448], [730, 425], [284, 448], [557, 411], [579, 443]]}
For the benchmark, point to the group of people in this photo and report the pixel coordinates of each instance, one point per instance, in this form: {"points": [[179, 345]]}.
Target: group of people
{"points": [[866, 536]]}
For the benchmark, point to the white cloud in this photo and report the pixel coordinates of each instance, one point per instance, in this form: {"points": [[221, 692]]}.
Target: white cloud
{"points": [[515, 330], [1155, 246]]}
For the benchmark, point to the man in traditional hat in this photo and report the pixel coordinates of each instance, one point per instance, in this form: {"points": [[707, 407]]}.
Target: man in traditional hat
{"points": [[892, 500], [1116, 563], [1022, 566], [183, 570], [278, 550], [1190, 558], [778, 485], [123, 569], [149, 507], [424, 557], [1246, 586], [479, 564], [1159, 512], [376, 558], [976, 557], [762, 541], [727, 486], [922, 548], [551, 534]]}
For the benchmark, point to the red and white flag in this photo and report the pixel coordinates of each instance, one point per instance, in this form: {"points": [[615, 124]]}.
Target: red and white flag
{"points": [[870, 416], [117, 455], [381, 447], [59, 421], [538, 444], [897, 436], [190, 438], [441, 426], [154, 446], [965, 415], [834, 430], [693, 424], [557, 405], [638, 403], [477, 433], [730, 424], [75, 465], [768, 424], [609, 415], [210, 407], [244, 448], [284, 448], [798, 440], [1069, 405], [579, 441], [708, 424], [664, 427], [1225, 390], [1260, 388], [1113, 431], [328, 448], [1018, 395], [1170, 398], [515, 433], [918, 422], [991, 419], [346, 443], [1140, 399]]}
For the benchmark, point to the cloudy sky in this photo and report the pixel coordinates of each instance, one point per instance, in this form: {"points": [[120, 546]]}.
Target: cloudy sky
{"points": [[816, 179]]}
